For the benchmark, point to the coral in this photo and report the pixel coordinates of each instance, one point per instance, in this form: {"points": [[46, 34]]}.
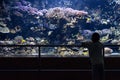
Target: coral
{"points": [[61, 12], [26, 7], [106, 31], [87, 33], [4, 30], [19, 40]]}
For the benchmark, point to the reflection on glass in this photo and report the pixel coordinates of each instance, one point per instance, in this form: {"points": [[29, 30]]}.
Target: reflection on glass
{"points": [[112, 51], [76, 51], [18, 51], [63, 51]]}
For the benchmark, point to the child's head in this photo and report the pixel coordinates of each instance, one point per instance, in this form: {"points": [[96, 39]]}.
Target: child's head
{"points": [[95, 37]]}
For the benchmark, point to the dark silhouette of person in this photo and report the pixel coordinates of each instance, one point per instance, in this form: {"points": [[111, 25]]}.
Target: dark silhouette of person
{"points": [[96, 56]]}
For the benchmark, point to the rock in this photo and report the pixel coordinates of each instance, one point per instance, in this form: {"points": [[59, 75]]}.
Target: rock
{"points": [[4, 30], [114, 42], [108, 50]]}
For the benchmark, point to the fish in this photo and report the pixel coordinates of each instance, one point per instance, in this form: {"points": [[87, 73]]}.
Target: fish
{"points": [[75, 49], [49, 33], [12, 31], [2, 24], [18, 14]]}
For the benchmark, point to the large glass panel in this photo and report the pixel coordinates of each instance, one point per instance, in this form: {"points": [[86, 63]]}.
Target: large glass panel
{"points": [[64, 52], [112, 50], [18, 51], [109, 51], [58, 22]]}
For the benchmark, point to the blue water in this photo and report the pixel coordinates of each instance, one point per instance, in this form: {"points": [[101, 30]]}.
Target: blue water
{"points": [[102, 14]]}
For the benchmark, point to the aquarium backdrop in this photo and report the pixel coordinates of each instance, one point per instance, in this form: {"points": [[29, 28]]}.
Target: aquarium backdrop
{"points": [[64, 22], [57, 22]]}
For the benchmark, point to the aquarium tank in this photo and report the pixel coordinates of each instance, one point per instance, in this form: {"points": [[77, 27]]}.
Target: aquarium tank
{"points": [[59, 22]]}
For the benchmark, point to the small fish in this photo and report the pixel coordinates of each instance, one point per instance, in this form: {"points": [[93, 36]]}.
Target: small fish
{"points": [[12, 31], [23, 41], [49, 33], [2, 24], [18, 14], [75, 49], [88, 20]]}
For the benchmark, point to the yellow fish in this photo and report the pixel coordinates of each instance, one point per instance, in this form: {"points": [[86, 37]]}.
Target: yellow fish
{"points": [[88, 20], [23, 41], [85, 53]]}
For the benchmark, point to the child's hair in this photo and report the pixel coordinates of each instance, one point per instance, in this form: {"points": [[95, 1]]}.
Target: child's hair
{"points": [[95, 37]]}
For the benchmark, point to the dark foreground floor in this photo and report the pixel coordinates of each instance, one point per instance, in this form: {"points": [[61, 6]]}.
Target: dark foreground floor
{"points": [[44, 69], [54, 75]]}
